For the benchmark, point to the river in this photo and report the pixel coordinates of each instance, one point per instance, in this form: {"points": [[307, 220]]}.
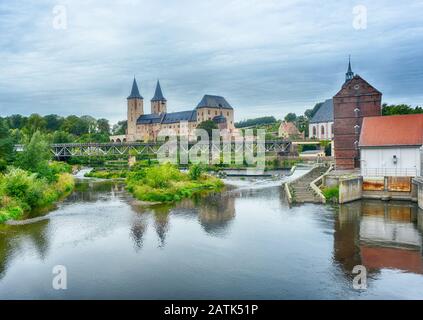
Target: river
{"points": [[244, 243]]}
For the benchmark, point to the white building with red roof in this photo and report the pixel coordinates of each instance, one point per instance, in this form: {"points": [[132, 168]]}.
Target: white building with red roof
{"points": [[391, 146]]}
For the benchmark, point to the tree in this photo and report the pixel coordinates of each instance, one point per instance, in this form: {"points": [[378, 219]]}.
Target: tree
{"points": [[291, 117], [35, 123], [6, 146], [16, 121], [120, 127], [103, 126], [302, 125], [255, 122], [75, 125], [393, 109], [35, 154], [208, 125], [62, 137], [53, 122]]}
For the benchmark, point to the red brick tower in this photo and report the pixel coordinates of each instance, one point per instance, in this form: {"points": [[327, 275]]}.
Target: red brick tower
{"points": [[356, 99]]}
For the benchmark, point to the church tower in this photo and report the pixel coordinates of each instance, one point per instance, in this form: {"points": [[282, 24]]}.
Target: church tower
{"points": [[356, 100], [135, 110], [349, 75], [158, 102]]}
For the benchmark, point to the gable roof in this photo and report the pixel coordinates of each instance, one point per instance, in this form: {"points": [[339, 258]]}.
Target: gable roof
{"points": [[135, 94], [164, 118], [357, 86], [325, 112], [174, 117], [289, 128], [210, 101], [150, 118], [398, 130]]}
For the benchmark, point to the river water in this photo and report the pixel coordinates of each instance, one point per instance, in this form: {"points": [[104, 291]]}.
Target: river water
{"points": [[244, 243]]}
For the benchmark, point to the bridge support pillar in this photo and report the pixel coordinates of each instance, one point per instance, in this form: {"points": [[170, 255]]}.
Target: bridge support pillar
{"points": [[132, 160]]}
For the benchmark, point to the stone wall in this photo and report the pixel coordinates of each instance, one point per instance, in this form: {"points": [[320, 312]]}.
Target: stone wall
{"points": [[350, 189]]}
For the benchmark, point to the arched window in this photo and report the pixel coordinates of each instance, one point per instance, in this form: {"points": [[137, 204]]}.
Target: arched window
{"points": [[314, 131], [322, 130]]}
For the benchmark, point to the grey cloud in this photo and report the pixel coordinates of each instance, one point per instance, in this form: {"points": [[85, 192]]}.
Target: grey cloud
{"points": [[266, 57]]}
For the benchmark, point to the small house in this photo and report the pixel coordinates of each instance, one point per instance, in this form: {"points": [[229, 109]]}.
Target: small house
{"points": [[390, 146], [288, 130]]}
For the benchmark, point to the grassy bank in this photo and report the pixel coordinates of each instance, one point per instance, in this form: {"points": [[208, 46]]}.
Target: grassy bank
{"points": [[107, 174], [22, 192], [165, 183]]}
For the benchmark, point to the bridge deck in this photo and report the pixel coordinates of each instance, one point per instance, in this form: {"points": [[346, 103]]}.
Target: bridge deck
{"points": [[60, 150]]}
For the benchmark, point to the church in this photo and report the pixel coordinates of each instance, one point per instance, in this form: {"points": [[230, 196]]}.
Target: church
{"points": [[146, 127]]}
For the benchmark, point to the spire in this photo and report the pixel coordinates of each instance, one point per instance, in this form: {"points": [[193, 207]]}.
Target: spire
{"points": [[158, 95], [349, 75], [135, 94]]}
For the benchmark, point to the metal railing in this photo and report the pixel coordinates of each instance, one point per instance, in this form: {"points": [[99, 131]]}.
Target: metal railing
{"points": [[148, 148], [389, 172]]}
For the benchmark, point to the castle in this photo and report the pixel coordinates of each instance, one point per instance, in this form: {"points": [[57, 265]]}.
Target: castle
{"points": [[145, 127]]}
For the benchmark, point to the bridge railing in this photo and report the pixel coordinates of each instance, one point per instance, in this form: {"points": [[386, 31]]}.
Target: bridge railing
{"points": [[124, 148]]}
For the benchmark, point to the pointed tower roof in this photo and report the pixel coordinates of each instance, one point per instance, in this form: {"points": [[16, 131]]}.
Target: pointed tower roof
{"points": [[158, 95], [350, 74], [135, 94]]}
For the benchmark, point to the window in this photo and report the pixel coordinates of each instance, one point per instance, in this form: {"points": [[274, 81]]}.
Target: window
{"points": [[322, 130], [314, 131], [357, 111], [331, 129], [357, 129]]}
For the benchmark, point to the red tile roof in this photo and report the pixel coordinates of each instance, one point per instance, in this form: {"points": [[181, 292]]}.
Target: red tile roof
{"points": [[400, 130]]}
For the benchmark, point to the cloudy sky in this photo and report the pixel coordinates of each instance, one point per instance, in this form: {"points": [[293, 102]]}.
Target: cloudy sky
{"points": [[266, 57]]}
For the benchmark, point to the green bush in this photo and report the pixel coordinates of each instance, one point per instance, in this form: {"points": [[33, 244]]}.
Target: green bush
{"points": [[160, 176], [165, 183], [22, 191], [3, 165], [331, 194], [195, 171]]}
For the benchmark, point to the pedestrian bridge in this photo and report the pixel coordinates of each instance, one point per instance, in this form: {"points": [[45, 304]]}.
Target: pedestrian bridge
{"points": [[65, 150]]}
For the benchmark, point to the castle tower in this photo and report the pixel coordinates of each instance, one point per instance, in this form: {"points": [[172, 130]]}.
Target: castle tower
{"points": [[356, 99], [135, 110], [158, 102]]}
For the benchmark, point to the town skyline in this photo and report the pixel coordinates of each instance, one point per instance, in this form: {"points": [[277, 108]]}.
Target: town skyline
{"points": [[259, 65]]}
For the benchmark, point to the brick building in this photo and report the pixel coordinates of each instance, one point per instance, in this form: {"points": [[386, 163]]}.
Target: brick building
{"points": [[356, 99]]}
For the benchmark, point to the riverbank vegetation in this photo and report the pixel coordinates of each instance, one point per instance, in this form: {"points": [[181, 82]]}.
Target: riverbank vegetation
{"points": [[331, 194], [166, 183], [22, 192], [106, 174], [29, 180]]}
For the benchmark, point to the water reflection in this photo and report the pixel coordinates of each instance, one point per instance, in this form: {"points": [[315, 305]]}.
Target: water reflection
{"points": [[241, 243], [379, 235], [13, 239], [214, 212]]}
